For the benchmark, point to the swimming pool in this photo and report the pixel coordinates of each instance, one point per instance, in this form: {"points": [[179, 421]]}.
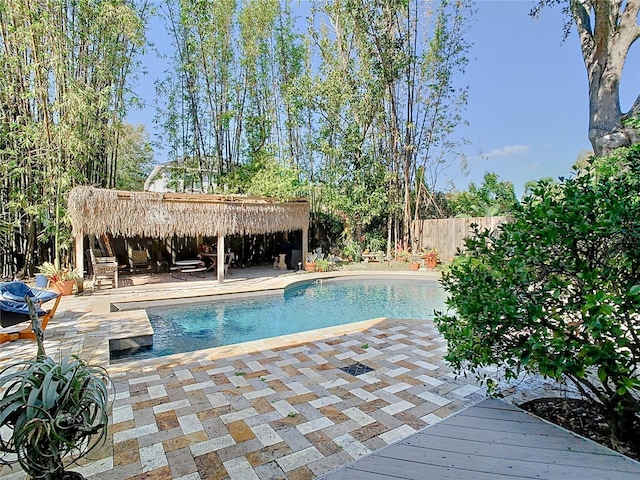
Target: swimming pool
{"points": [[303, 307]]}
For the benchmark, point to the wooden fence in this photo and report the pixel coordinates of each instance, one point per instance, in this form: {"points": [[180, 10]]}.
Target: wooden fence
{"points": [[447, 234]]}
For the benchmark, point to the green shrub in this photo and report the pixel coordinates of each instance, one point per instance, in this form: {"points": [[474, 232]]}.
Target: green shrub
{"points": [[557, 291]]}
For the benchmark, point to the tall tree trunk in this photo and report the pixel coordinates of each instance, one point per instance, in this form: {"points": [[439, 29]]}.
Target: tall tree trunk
{"points": [[606, 33]]}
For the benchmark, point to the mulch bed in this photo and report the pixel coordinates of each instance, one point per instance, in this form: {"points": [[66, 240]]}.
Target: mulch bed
{"points": [[584, 418]]}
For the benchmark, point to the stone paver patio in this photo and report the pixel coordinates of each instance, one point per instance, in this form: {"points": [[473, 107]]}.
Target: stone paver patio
{"points": [[271, 409]]}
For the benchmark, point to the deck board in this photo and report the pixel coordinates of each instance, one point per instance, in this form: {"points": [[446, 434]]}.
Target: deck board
{"points": [[487, 441], [509, 452], [519, 439]]}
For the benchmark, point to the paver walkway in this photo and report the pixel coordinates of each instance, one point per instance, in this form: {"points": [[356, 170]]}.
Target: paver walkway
{"points": [[492, 440], [281, 408], [272, 409], [281, 411]]}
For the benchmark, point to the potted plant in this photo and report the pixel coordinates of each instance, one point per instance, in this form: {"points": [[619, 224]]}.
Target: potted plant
{"points": [[430, 257], [49, 409], [403, 255], [352, 251], [322, 265], [310, 264], [415, 263], [61, 279]]}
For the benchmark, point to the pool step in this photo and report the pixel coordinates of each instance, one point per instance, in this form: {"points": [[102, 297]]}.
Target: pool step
{"points": [[130, 329]]}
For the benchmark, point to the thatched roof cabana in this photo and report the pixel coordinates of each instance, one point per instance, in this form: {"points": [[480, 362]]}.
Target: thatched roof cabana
{"points": [[96, 211]]}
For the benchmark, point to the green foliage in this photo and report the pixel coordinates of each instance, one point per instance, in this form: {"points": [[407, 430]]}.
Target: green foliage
{"points": [[358, 194], [57, 274], [264, 176], [374, 241], [135, 158], [385, 104], [351, 250], [49, 409], [276, 180], [230, 94], [493, 197], [322, 265], [64, 92], [557, 291], [632, 122]]}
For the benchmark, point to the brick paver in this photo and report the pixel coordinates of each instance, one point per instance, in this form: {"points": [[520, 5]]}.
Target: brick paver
{"points": [[282, 410]]}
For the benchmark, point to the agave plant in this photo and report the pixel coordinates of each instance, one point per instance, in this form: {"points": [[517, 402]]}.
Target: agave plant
{"points": [[49, 409]]}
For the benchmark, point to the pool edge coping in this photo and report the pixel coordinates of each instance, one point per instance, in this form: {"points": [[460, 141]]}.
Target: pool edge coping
{"points": [[281, 284]]}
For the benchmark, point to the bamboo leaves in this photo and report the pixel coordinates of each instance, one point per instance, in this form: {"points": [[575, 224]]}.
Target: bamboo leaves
{"points": [[62, 99]]}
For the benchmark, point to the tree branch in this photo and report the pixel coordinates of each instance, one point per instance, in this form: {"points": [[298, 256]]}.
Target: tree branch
{"points": [[580, 13]]}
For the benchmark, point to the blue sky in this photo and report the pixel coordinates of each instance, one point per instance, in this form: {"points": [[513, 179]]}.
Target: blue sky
{"points": [[528, 95]]}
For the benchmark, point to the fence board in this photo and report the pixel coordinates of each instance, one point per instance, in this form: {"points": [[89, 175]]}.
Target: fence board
{"points": [[447, 234]]}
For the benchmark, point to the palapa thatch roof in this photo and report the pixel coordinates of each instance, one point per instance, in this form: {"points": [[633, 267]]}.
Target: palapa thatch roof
{"points": [[95, 211]]}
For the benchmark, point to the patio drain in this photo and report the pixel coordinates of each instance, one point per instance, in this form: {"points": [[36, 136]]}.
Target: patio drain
{"points": [[357, 369]]}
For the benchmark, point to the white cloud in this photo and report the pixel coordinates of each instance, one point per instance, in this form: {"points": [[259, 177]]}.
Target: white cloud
{"points": [[532, 167], [507, 151]]}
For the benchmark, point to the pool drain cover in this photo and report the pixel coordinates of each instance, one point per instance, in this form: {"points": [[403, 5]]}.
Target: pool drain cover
{"points": [[357, 369]]}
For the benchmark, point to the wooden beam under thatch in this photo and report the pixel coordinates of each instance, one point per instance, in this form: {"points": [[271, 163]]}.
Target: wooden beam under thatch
{"points": [[162, 215]]}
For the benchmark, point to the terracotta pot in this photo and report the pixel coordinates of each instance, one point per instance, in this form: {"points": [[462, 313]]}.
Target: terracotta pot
{"points": [[430, 262], [414, 266], [310, 267], [64, 287]]}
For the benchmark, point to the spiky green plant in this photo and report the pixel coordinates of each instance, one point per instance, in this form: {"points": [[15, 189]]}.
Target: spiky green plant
{"points": [[49, 409]]}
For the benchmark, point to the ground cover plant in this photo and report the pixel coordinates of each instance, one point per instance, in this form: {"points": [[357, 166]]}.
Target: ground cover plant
{"points": [[557, 291]]}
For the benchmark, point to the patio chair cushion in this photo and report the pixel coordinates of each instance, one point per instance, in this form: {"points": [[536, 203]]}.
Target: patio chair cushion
{"points": [[17, 291], [12, 297], [15, 310]]}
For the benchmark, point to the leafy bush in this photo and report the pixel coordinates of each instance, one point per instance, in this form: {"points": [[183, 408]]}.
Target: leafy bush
{"points": [[351, 250], [375, 241], [322, 265], [557, 291]]}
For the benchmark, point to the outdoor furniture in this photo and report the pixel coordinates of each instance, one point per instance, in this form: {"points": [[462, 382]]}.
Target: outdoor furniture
{"points": [[183, 268], [138, 260], [14, 310], [213, 257], [373, 257], [103, 269], [228, 259]]}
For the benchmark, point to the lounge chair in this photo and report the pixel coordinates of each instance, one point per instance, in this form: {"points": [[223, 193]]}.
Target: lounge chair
{"points": [[14, 310], [103, 269], [138, 260]]}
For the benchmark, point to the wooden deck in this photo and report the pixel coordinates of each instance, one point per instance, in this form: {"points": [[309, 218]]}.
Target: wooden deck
{"points": [[491, 440]]}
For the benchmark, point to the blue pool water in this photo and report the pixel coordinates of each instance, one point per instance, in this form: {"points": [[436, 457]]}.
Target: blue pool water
{"points": [[189, 327]]}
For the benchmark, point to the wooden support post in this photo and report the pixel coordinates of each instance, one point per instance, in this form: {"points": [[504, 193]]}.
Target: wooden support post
{"points": [[305, 244], [221, 257], [79, 237]]}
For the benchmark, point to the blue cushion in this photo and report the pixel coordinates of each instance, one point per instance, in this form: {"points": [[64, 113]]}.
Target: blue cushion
{"points": [[16, 291], [18, 307]]}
